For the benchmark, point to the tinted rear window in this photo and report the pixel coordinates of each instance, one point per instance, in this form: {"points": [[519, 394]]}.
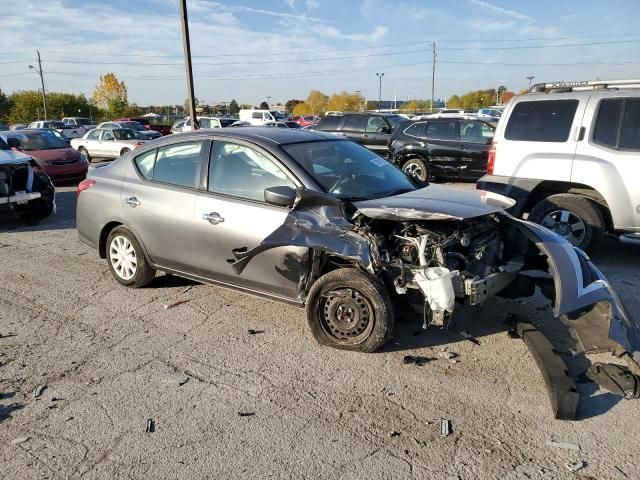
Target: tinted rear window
{"points": [[608, 122], [416, 130], [542, 121], [630, 131], [329, 123], [354, 123]]}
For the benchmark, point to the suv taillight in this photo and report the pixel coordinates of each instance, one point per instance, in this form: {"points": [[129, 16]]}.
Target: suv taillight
{"points": [[491, 162], [84, 185]]}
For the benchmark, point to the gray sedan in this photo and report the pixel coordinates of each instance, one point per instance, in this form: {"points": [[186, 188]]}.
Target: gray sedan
{"points": [[321, 222], [107, 142]]}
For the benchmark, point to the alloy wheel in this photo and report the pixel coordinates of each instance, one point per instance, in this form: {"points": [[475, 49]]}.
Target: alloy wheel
{"points": [[566, 224]]}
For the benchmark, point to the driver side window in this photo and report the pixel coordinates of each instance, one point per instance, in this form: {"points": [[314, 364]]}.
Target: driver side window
{"points": [[375, 125], [243, 172], [107, 135], [94, 135]]}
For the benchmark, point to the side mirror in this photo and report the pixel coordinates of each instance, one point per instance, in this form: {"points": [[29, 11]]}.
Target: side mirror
{"points": [[282, 196], [13, 143]]}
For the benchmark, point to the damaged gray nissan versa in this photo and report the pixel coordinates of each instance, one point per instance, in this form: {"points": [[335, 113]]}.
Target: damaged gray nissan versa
{"points": [[319, 221]]}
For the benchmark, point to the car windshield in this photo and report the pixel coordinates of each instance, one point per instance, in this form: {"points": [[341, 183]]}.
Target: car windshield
{"points": [[53, 125], [40, 141], [348, 170], [132, 125], [225, 122], [83, 121], [127, 134]]}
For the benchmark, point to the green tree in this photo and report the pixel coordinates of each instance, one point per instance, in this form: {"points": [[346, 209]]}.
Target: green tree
{"points": [[291, 104], [264, 106], [27, 104], [5, 106], [234, 108]]}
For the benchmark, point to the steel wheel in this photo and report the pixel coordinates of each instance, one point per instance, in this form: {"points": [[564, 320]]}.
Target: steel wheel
{"points": [[346, 316], [122, 256], [566, 224]]}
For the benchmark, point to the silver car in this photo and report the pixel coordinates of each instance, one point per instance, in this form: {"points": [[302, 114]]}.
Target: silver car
{"points": [[107, 142], [323, 223]]}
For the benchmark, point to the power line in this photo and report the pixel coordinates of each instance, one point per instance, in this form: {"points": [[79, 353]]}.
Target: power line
{"points": [[523, 47]]}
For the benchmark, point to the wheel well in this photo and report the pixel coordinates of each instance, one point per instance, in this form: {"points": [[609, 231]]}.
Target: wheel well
{"points": [[102, 243], [547, 188], [408, 156], [124, 150]]}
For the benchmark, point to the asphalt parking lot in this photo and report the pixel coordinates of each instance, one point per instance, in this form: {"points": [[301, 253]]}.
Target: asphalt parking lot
{"points": [[229, 404]]}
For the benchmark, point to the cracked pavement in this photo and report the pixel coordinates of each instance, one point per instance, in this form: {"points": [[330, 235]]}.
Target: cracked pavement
{"points": [[113, 357]]}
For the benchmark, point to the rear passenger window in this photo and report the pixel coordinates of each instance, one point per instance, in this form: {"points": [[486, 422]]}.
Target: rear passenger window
{"points": [[608, 123], [329, 123], [354, 123], [442, 130], [176, 164], [416, 130], [630, 131], [145, 164], [542, 121]]}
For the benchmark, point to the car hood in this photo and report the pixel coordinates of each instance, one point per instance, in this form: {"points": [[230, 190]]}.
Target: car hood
{"points": [[11, 156], [434, 202], [55, 154]]}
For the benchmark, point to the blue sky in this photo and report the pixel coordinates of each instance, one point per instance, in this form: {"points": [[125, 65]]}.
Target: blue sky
{"points": [[250, 49]]}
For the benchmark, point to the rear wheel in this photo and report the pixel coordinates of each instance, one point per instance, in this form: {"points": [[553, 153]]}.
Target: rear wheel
{"points": [[84, 153], [574, 217], [126, 259], [124, 151], [417, 168], [350, 310]]}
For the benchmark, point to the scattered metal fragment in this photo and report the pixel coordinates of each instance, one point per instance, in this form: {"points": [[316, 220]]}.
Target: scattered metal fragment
{"points": [[416, 360], [151, 425], [176, 381], [7, 335], [38, 390], [563, 445], [167, 306], [92, 294], [394, 434], [620, 471], [246, 414], [68, 419], [251, 331], [447, 355], [19, 440], [186, 289], [615, 378], [575, 466], [445, 427]]}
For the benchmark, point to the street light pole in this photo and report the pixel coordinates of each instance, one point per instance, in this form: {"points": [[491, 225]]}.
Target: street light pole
{"points": [[187, 64], [379, 75], [39, 72], [530, 77]]}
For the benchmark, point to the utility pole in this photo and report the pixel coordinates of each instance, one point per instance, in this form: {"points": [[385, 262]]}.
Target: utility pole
{"points": [[187, 64], [380, 75], [39, 72], [530, 77], [433, 76]]}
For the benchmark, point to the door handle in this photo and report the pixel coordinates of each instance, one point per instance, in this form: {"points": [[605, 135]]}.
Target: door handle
{"points": [[132, 201], [213, 218]]}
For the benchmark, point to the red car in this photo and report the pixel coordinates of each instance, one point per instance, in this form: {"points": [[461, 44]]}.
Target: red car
{"points": [[54, 155], [305, 120]]}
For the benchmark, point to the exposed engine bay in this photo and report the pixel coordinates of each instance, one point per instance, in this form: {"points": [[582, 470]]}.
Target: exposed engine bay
{"points": [[25, 190]]}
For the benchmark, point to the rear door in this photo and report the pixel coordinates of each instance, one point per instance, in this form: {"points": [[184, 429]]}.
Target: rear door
{"points": [[231, 213], [376, 135], [158, 200], [475, 139], [444, 147], [353, 127]]}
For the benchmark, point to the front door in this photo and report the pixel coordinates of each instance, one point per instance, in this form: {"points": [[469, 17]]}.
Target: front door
{"points": [[444, 147], [376, 135], [158, 200], [232, 214]]}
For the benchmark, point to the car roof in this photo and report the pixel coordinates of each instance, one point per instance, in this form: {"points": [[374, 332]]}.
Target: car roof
{"points": [[278, 136]]}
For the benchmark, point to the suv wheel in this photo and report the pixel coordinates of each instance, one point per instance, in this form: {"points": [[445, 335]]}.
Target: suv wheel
{"points": [[126, 259], [350, 310], [417, 168], [574, 217]]}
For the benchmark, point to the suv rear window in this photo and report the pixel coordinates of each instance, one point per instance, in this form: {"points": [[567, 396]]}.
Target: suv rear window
{"points": [[329, 123], [541, 121], [609, 132]]}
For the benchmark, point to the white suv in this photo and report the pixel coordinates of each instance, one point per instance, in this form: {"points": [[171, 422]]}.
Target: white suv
{"points": [[569, 154]]}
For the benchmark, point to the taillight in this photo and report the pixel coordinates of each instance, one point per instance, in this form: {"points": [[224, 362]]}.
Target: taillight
{"points": [[491, 162], [84, 185]]}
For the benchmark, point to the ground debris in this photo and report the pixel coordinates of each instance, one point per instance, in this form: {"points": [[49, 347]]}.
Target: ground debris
{"points": [[185, 289], [246, 414], [167, 306], [38, 390], [563, 445], [468, 337], [7, 335], [19, 440], [394, 433], [447, 355], [176, 381], [575, 466], [445, 427], [417, 360], [251, 331], [151, 425]]}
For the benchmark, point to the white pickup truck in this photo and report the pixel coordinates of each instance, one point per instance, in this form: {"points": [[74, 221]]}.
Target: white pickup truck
{"points": [[66, 131]]}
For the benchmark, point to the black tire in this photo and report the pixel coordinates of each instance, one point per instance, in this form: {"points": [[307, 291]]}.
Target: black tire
{"points": [[86, 153], [124, 151], [584, 209], [350, 310], [416, 167], [143, 274]]}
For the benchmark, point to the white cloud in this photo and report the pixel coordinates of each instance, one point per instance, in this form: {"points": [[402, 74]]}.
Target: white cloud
{"points": [[501, 11], [311, 4]]}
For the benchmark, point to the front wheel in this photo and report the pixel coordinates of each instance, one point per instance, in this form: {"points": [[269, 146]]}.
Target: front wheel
{"points": [[574, 217], [417, 168], [350, 310], [124, 151], [84, 153], [126, 259]]}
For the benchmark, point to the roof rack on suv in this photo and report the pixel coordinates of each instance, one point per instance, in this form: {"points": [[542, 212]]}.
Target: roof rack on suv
{"points": [[572, 86]]}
